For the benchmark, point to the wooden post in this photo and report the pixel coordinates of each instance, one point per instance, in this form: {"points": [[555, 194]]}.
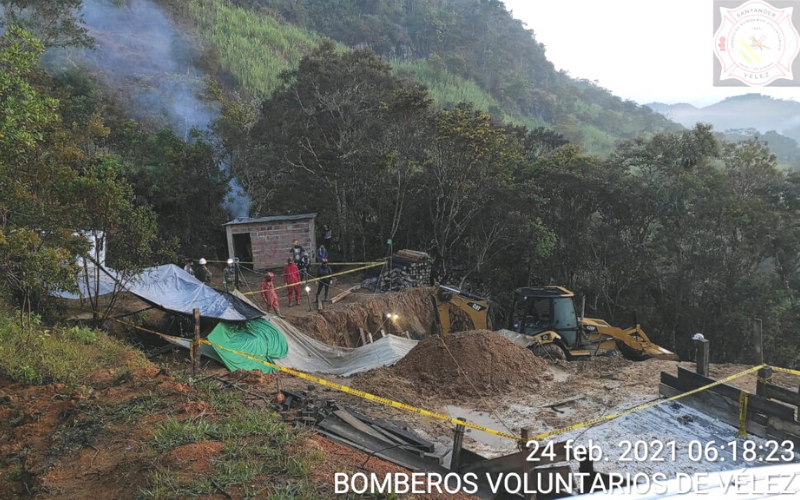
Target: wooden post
{"points": [[526, 465], [196, 344], [458, 441], [758, 341], [701, 356], [764, 376], [362, 335]]}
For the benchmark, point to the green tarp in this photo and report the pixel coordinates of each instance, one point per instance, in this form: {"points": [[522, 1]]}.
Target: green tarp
{"points": [[258, 338]]}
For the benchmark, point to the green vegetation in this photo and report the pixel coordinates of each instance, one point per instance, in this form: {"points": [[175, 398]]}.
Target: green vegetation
{"points": [[256, 48], [64, 355]]}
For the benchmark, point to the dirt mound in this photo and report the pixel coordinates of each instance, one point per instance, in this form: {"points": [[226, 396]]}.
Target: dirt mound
{"points": [[339, 325], [489, 361]]}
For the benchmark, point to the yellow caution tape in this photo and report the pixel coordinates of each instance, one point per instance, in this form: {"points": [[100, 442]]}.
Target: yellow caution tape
{"points": [[645, 406], [162, 335], [742, 414], [365, 395], [786, 370], [426, 413], [313, 263], [304, 282]]}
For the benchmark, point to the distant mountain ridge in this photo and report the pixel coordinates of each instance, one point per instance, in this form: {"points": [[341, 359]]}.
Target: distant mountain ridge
{"points": [[749, 111]]}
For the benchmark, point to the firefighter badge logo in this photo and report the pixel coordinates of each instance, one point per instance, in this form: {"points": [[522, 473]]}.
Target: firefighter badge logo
{"points": [[757, 43]]}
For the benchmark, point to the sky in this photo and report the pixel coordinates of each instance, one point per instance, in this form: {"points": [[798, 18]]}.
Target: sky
{"points": [[643, 50]]}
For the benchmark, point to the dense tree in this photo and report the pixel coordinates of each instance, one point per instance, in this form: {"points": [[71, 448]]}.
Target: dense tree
{"points": [[56, 23]]}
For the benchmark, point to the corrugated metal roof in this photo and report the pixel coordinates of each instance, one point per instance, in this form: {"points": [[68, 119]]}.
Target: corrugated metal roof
{"points": [[274, 218]]}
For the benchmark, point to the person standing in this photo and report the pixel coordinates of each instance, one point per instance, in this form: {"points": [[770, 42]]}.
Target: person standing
{"points": [[322, 253], [189, 267], [291, 277], [327, 235], [305, 266], [202, 273], [229, 277], [268, 294], [296, 252], [324, 273]]}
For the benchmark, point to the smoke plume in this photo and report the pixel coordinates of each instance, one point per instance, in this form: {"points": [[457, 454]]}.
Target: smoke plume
{"points": [[148, 61]]}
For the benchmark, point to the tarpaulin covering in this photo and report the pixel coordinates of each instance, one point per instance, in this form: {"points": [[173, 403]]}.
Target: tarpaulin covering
{"points": [[310, 355], [171, 288], [258, 338]]}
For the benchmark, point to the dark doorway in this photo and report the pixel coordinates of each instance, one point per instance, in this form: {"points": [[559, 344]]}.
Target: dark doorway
{"points": [[243, 250]]}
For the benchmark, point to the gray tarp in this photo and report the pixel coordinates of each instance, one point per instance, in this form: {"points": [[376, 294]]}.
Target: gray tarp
{"points": [[171, 288]]}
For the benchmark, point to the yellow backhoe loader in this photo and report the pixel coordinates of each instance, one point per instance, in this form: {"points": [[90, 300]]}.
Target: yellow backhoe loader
{"points": [[545, 318], [547, 314], [477, 308]]}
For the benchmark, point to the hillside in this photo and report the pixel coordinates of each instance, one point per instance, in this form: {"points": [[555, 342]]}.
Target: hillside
{"points": [[463, 50], [755, 111], [775, 121]]}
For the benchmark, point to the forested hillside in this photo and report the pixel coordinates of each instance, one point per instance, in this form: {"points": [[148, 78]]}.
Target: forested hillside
{"points": [[146, 137], [463, 50]]}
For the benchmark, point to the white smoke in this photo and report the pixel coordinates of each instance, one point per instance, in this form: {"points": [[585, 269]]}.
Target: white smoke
{"points": [[148, 60]]}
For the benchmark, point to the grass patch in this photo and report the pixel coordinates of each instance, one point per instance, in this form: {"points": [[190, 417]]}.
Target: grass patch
{"points": [[253, 46], [66, 355]]}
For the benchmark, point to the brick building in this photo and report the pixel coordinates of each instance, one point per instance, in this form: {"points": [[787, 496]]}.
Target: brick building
{"points": [[266, 241]]}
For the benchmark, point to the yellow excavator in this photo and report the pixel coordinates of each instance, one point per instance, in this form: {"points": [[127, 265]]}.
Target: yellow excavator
{"points": [[545, 320]]}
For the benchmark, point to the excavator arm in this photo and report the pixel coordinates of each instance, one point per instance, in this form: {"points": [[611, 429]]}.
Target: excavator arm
{"points": [[633, 341], [477, 308]]}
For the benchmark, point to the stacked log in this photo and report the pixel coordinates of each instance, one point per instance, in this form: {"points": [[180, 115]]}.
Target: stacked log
{"points": [[410, 269], [416, 265]]}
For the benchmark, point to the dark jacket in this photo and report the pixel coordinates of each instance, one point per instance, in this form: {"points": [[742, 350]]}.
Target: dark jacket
{"points": [[324, 271]]}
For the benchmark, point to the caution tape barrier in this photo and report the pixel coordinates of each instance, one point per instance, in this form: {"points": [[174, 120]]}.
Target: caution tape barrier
{"points": [[786, 370], [425, 413], [645, 406], [304, 282], [313, 263], [364, 395]]}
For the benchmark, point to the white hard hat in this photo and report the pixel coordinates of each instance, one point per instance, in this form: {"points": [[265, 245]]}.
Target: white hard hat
{"points": [[698, 336], [230, 261], [202, 262]]}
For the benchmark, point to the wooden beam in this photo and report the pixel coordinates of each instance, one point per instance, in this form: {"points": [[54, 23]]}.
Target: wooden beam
{"points": [[762, 405], [702, 356], [781, 394], [717, 400], [715, 406], [345, 294], [764, 376], [196, 343]]}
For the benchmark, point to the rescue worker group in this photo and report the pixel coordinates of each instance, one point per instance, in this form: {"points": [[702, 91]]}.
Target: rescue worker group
{"points": [[298, 268]]}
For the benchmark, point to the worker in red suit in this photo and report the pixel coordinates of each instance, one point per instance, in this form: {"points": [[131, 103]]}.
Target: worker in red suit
{"points": [[268, 294], [291, 277]]}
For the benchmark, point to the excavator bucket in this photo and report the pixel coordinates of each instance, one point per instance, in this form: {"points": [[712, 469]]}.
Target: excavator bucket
{"points": [[633, 342]]}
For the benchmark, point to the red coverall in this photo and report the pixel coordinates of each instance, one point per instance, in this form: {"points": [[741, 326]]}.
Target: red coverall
{"points": [[268, 295], [291, 276]]}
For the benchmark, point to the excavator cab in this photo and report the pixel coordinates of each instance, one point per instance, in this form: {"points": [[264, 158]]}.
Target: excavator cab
{"points": [[546, 309]]}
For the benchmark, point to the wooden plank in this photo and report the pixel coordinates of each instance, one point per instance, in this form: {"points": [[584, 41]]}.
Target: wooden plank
{"points": [[407, 459], [717, 400], [361, 426], [762, 405], [781, 394], [515, 461], [792, 428], [345, 294], [404, 434], [777, 434], [715, 406]]}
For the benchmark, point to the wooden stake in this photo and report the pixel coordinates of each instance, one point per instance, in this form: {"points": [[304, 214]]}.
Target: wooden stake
{"points": [[458, 441], [764, 376], [702, 356], [196, 343], [526, 465]]}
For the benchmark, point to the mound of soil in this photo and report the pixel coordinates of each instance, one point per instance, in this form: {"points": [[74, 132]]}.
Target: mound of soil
{"points": [[339, 323], [488, 360]]}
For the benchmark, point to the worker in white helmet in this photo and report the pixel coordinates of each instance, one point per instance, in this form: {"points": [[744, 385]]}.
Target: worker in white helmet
{"points": [[229, 276], [202, 273]]}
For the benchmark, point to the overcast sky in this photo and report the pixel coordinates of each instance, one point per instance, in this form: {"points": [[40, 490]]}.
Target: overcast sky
{"points": [[643, 50]]}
